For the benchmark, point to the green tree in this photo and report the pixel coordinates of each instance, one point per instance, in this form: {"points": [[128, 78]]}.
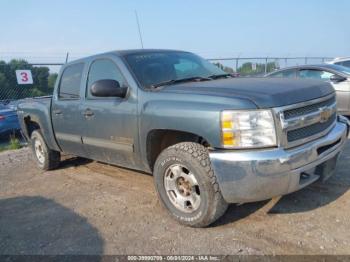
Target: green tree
{"points": [[247, 68], [227, 69], [10, 90], [40, 78], [51, 81]]}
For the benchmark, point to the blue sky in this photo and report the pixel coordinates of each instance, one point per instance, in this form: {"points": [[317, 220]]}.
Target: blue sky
{"points": [[210, 28]]}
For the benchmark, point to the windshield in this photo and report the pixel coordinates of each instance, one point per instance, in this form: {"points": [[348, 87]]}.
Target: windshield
{"points": [[153, 68]]}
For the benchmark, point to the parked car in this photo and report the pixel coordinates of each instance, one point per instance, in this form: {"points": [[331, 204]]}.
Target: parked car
{"points": [[208, 138], [343, 61], [338, 76], [14, 104], [8, 121]]}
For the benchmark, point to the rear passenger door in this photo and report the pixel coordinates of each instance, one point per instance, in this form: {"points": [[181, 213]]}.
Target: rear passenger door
{"points": [[111, 122], [66, 118]]}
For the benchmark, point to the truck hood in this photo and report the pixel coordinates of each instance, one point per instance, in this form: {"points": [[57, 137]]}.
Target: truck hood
{"points": [[264, 92]]}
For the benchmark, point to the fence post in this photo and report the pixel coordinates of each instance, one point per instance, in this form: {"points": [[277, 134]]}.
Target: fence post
{"points": [[67, 55], [265, 65]]}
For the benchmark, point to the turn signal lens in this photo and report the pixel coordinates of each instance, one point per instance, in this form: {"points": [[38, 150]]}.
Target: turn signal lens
{"points": [[228, 138], [226, 125], [226, 120]]}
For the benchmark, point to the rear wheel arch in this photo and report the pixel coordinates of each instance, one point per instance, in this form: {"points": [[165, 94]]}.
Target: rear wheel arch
{"points": [[31, 125]]}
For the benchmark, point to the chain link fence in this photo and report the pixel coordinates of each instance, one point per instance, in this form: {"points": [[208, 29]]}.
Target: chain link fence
{"points": [[44, 72], [259, 66], [13, 77]]}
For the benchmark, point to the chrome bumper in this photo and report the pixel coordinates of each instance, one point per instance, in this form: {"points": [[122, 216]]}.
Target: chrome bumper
{"points": [[248, 176]]}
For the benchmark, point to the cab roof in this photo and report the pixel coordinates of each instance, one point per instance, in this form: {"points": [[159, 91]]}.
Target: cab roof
{"points": [[123, 53]]}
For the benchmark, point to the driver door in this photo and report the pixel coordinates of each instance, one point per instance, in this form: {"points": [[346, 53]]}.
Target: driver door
{"points": [[111, 122]]}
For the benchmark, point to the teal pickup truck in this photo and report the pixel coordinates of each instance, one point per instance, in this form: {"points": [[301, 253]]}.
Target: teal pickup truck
{"points": [[208, 138]]}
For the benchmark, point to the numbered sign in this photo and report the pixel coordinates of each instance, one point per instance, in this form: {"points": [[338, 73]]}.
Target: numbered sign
{"points": [[24, 77]]}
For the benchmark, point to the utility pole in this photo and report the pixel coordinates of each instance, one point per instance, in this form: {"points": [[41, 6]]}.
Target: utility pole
{"points": [[138, 26]]}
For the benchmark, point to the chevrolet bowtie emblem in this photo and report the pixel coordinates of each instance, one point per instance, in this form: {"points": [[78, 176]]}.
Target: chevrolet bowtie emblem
{"points": [[325, 113]]}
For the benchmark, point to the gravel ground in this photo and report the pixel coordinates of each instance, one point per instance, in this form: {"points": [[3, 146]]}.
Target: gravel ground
{"points": [[86, 207]]}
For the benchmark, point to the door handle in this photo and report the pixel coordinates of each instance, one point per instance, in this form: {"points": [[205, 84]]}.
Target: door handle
{"points": [[88, 113], [57, 112]]}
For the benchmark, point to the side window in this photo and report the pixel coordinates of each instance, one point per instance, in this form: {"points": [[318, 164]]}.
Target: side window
{"points": [[289, 73], [185, 68], [276, 75], [315, 74], [346, 63], [103, 69], [285, 74], [70, 82]]}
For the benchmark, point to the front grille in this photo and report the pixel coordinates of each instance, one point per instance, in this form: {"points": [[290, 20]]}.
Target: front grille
{"points": [[303, 122], [309, 131], [296, 112]]}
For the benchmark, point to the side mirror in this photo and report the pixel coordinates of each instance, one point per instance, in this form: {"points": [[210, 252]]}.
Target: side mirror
{"points": [[108, 88], [337, 78]]}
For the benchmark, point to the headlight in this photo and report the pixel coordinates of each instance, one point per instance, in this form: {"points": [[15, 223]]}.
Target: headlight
{"points": [[248, 129]]}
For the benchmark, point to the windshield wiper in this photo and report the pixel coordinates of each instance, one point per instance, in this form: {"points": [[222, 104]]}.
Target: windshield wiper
{"points": [[175, 81], [220, 76]]}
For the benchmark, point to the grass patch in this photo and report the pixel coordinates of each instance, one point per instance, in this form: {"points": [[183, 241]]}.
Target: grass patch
{"points": [[14, 143]]}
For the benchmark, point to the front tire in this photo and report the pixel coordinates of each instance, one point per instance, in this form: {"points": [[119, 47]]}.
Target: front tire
{"points": [[187, 186], [46, 158]]}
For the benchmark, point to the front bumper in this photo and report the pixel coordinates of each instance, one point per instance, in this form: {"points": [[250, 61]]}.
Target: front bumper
{"points": [[248, 176]]}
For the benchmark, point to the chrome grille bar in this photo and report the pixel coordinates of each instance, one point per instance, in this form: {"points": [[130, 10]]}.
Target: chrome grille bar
{"points": [[309, 119], [320, 115]]}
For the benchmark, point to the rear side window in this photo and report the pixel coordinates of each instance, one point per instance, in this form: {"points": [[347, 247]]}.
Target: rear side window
{"points": [[346, 63], [285, 74], [70, 82], [315, 74]]}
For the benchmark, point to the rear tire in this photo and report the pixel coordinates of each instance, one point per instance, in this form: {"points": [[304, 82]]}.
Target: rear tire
{"points": [[187, 186], [45, 158]]}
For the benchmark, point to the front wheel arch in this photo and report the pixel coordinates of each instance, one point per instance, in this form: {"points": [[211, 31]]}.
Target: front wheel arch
{"points": [[159, 139]]}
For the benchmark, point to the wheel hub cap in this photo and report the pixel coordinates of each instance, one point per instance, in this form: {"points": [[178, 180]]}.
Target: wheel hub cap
{"points": [[39, 151], [182, 188]]}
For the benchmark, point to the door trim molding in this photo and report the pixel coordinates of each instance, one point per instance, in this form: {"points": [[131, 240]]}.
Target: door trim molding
{"points": [[120, 143], [68, 137]]}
